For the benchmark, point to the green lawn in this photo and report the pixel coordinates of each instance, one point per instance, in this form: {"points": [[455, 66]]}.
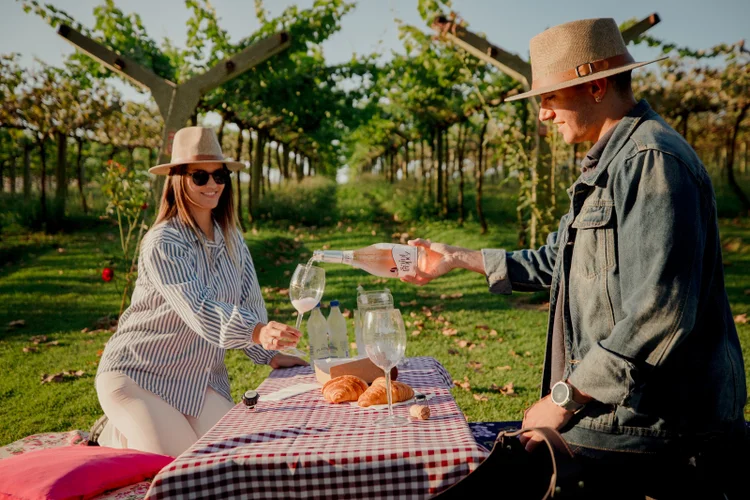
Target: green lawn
{"points": [[53, 284]]}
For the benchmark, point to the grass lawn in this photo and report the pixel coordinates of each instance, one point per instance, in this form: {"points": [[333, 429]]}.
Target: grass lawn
{"points": [[53, 284]]}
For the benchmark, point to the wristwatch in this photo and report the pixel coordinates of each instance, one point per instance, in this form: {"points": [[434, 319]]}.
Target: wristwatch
{"points": [[562, 395]]}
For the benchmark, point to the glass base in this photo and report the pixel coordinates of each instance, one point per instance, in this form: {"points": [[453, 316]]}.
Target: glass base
{"points": [[293, 351], [390, 421]]}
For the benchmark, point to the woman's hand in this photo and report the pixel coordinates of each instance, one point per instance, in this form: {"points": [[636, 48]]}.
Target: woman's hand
{"points": [[275, 335], [285, 361]]}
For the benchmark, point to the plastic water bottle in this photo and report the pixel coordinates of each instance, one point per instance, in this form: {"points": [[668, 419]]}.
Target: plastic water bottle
{"points": [[337, 334], [317, 334]]}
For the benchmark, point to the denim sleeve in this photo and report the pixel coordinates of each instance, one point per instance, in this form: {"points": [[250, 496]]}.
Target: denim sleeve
{"points": [[661, 235], [521, 270]]}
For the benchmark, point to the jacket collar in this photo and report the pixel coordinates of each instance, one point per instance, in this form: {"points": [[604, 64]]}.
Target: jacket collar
{"points": [[622, 132]]}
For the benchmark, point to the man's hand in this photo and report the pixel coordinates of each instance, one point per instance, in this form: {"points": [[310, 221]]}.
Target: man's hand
{"points": [[441, 259], [285, 361], [275, 335], [543, 413]]}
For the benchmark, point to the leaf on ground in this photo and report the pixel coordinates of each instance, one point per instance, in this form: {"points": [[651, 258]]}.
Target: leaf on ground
{"points": [[733, 245], [482, 327], [506, 390], [380, 281], [413, 314], [99, 353], [61, 250], [424, 295], [465, 385], [410, 303], [493, 333], [38, 339], [449, 332], [457, 295], [452, 351], [437, 308], [415, 333], [30, 348], [54, 342], [61, 376], [480, 397], [740, 319], [85, 330], [474, 365], [513, 353], [283, 291], [503, 368], [18, 323]]}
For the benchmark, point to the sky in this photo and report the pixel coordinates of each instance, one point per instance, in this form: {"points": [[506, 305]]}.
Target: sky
{"points": [[370, 26]]}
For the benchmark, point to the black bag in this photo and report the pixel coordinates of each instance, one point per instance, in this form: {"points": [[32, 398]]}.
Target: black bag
{"points": [[550, 471]]}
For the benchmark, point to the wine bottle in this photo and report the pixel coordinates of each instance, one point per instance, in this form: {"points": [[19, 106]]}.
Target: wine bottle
{"points": [[387, 260]]}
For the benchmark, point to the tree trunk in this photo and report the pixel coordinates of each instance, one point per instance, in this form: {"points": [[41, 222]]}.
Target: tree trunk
{"points": [[460, 144], [439, 169], [278, 162], [257, 174], [2, 176], [26, 171], [238, 155], [285, 162], [12, 174], [446, 176], [730, 161], [267, 186], [43, 194], [220, 133], [251, 159], [479, 177], [80, 172]]}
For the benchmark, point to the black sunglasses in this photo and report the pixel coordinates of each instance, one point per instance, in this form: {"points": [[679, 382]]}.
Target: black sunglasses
{"points": [[200, 177]]}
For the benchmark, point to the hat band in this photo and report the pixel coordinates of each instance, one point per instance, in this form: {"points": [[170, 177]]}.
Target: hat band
{"points": [[582, 70], [190, 159]]}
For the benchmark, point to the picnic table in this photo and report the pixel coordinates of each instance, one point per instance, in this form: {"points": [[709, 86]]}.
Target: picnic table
{"points": [[306, 447]]}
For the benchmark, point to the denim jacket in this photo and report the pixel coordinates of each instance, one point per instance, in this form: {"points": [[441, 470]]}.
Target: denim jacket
{"points": [[647, 325]]}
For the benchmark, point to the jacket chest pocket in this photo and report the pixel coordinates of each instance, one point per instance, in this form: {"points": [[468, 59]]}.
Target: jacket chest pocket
{"points": [[594, 246]]}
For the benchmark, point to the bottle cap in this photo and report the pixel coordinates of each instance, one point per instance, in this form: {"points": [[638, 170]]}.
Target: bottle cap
{"points": [[318, 306], [420, 398], [250, 398], [334, 303]]}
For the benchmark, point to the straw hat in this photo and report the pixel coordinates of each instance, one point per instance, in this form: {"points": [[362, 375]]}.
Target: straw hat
{"points": [[193, 145], [577, 52]]}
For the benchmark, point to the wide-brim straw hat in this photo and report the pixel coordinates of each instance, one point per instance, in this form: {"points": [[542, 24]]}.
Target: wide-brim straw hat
{"points": [[195, 145], [577, 52]]}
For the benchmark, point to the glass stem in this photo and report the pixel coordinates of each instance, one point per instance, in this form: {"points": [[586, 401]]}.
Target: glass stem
{"points": [[388, 390], [299, 321]]}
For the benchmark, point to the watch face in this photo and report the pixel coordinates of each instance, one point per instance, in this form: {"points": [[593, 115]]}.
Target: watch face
{"points": [[559, 393]]}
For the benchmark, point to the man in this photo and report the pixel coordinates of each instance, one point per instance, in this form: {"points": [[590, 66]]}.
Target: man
{"points": [[643, 366]]}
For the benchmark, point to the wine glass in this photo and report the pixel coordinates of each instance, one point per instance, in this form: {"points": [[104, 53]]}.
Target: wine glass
{"points": [[385, 343], [305, 292]]}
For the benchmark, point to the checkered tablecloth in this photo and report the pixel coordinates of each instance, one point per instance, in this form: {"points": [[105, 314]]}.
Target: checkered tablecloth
{"points": [[305, 447]]}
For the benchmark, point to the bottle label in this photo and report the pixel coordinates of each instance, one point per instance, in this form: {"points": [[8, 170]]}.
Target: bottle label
{"points": [[348, 257], [404, 258]]}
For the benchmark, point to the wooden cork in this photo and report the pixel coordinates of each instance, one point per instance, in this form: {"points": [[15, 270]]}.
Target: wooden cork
{"points": [[420, 412]]}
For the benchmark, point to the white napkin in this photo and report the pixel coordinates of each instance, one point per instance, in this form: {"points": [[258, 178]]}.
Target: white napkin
{"points": [[288, 392], [385, 406]]}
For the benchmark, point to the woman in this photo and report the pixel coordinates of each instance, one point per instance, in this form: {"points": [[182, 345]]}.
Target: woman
{"points": [[162, 381]]}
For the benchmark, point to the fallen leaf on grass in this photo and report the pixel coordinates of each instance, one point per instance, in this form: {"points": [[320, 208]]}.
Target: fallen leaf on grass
{"points": [[283, 291], [410, 303], [740, 319], [493, 333], [457, 295], [513, 353], [18, 323], [452, 351], [449, 332], [415, 333], [480, 397], [54, 342], [474, 365], [506, 390], [481, 327], [38, 339], [380, 281], [30, 349], [423, 295], [59, 377], [503, 368], [465, 385]]}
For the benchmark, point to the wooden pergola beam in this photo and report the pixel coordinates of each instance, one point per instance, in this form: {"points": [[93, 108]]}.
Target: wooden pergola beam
{"points": [[177, 102]]}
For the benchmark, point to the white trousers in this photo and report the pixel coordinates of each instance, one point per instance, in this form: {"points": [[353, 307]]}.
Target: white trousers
{"points": [[141, 420]]}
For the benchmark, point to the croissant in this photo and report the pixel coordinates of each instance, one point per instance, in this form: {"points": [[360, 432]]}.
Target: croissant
{"points": [[343, 388], [376, 393]]}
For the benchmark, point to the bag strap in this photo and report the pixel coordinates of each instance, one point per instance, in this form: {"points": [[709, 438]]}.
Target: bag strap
{"points": [[560, 453]]}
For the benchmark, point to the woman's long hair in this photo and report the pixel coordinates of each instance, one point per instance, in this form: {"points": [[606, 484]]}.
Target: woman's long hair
{"points": [[174, 203]]}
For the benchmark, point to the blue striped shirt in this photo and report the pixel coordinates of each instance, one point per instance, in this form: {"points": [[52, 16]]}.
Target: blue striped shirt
{"points": [[189, 305]]}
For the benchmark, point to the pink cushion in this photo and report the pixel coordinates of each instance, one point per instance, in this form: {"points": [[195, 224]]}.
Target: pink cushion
{"points": [[75, 472]]}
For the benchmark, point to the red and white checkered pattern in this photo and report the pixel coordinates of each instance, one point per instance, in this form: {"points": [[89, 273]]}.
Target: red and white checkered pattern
{"points": [[305, 447]]}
